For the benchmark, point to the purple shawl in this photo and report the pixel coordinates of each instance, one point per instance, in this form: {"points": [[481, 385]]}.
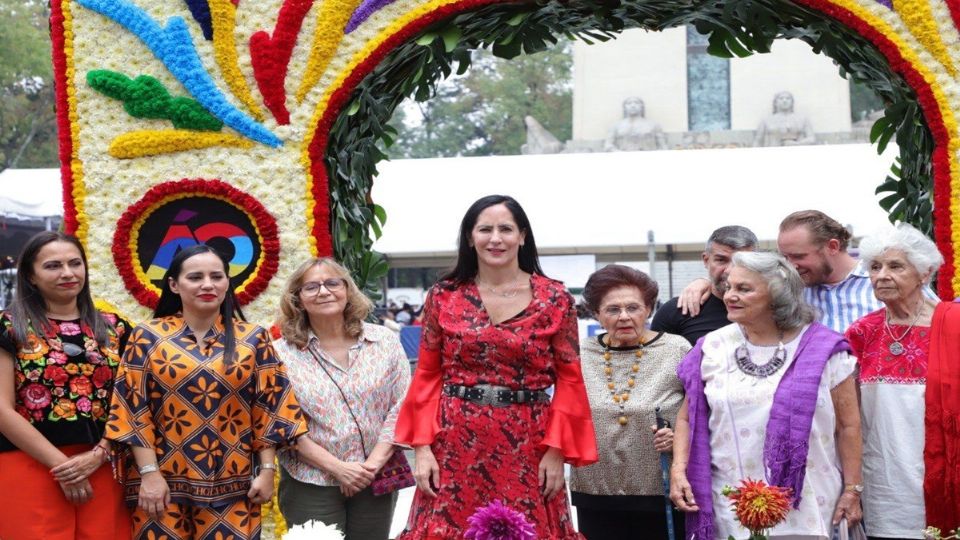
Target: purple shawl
{"points": [[788, 430]]}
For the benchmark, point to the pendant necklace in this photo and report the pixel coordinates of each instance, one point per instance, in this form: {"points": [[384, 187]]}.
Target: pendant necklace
{"points": [[749, 367], [620, 397], [509, 293], [896, 348]]}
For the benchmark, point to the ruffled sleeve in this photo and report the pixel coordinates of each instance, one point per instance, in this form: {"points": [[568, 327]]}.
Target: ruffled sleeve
{"points": [[570, 428], [418, 422], [277, 419]]}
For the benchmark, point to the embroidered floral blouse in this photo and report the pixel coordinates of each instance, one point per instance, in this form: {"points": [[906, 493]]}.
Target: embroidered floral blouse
{"points": [[63, 379], [375, 383], [205, 417]]}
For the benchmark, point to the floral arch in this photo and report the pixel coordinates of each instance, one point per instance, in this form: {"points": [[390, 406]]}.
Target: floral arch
{"points": [[255, 123]]}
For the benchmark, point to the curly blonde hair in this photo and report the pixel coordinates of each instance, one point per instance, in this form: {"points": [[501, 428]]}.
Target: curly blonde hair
{"points": [[294, 322]]}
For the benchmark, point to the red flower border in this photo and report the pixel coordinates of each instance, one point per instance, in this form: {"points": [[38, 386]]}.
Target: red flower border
{"points": [[954, 7], [266, 226], [940, 158]]}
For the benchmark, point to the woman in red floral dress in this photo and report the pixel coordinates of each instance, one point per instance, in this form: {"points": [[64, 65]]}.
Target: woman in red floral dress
{"points": [[496, 334]]}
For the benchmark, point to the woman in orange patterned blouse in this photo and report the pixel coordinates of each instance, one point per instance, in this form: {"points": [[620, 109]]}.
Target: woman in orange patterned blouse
{"points": [[200, 397], [58, 356]]}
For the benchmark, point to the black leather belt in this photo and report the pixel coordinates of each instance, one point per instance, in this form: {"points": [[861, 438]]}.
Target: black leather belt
{"points": [[497, 396]]}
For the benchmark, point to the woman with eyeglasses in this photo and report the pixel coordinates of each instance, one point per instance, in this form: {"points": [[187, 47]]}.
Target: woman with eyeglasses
{"points": [[58, 357], [350, 378], [202, 403], [630, 372], [497, 334]]}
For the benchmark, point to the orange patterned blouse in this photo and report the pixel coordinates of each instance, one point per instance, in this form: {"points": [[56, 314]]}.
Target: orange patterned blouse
{"points": [[205, 417]]}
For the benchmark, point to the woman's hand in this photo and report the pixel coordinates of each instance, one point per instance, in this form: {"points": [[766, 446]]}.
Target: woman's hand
{"points": [[551, 472], [426, 471], [261, 489], [78, 467], [154, 495], [662, 439], [77, 492], [848, 506], [353, 477], [680, 491]]}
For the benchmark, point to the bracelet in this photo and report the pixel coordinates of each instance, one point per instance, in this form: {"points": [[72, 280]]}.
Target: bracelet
{"points": [[268, 466], [106, 455], [153, 467]]}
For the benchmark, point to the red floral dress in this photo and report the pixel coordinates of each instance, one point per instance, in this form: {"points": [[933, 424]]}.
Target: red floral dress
{"points": [[63, 378], [488, 453]]}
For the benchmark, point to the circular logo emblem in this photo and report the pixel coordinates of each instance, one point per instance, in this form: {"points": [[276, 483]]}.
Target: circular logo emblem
{"points": [[176, 215]]}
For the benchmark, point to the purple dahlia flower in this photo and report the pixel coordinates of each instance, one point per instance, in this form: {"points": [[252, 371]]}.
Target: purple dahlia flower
{"points": [[499, 522]]}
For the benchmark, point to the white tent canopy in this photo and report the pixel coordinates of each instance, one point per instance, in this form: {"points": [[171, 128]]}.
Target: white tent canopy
{"points": [[30, 193], [584, 201]]}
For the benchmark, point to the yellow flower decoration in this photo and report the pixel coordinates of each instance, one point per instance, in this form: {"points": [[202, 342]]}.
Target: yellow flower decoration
{"points": [[152, 142]]}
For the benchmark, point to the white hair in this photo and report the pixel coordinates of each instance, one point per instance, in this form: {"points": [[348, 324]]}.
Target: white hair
{"points": [[784, 284], [921, 252]]}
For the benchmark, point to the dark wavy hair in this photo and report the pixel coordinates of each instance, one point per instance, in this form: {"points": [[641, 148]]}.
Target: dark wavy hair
{"points": [[466, 266], [28, 305], [170, 302], [614, 276]]}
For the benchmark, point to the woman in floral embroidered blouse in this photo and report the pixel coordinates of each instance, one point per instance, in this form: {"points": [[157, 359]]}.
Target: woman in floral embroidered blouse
{"points": [[892, 346], [200, 396], [350, 377], [496, 334], [58, 357]]}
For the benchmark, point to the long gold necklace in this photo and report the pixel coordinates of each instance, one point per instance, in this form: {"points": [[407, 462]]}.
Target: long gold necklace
{"points": [[620, 397]]}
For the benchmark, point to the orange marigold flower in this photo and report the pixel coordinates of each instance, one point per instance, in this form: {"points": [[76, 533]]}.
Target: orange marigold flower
{"points": [[759, 507]]}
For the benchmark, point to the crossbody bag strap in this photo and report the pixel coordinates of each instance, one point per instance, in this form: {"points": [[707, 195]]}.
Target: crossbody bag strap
{"points": [[363, 444]]}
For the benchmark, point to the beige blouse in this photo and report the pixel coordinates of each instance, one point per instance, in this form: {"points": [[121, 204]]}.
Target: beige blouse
{"points": [[628, 463]]}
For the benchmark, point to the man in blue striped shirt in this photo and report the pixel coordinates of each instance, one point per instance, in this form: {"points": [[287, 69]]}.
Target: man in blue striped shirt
{"points": [[837, 287]]}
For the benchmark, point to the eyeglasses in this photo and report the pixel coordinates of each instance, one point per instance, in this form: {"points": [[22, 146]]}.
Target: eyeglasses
{"points": [[312, 288], [615, 311]]}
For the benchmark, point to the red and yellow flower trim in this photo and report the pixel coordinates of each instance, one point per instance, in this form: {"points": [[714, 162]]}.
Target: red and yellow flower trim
{"points": [[128, 230]]}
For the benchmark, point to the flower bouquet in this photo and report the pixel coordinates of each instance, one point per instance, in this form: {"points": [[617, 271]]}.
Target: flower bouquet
{"points": [[313, 530], [497, 521], [758, 506]]}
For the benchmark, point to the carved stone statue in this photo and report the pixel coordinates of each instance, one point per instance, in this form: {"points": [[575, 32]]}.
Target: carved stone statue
{"points": [[539, 140], [634, 131], [784, 127]]}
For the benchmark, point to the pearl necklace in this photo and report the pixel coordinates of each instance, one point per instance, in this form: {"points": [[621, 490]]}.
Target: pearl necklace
{"points": [[620, 397]]}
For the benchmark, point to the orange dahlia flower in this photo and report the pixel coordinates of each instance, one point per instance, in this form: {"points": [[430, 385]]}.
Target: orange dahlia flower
{"points": [[759, 507]]}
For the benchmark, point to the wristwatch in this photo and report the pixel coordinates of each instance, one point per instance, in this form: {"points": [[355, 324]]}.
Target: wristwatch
{"points": [[268, 466], [854, 488]]}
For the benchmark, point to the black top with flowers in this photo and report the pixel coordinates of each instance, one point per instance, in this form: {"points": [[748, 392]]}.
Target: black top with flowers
{"points": [[63, 379]]}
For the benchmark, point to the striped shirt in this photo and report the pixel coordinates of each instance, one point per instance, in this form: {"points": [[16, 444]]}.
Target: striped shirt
{"points": [[840, 304]]}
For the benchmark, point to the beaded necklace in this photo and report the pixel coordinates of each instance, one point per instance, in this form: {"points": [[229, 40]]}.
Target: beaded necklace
{"points": [[620, 397]]}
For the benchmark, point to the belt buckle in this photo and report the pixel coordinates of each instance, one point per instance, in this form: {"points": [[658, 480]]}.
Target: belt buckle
{"points": [[490, 395]]}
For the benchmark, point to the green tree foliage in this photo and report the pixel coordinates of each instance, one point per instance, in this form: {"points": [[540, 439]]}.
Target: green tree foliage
{"points": [[481, 113], [28, 133]]}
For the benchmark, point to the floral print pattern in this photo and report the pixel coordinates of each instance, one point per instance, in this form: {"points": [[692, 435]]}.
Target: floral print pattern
{"points": [[52, 384]]}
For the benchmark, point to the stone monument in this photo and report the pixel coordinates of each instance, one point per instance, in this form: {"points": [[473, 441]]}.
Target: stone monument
{"points": [[539, 139], [784, 127], [634, 131]]}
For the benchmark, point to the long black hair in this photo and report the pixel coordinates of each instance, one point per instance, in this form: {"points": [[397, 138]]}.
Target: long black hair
{"points": [[29, 307], [466, 267], [170, 302]]}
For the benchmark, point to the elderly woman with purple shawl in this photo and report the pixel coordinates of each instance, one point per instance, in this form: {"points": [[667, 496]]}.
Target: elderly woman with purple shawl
{"points": [[771, 397]]}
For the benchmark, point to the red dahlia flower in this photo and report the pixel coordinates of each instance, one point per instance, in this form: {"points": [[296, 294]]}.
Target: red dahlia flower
{"points": [[759, 507]]}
